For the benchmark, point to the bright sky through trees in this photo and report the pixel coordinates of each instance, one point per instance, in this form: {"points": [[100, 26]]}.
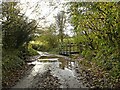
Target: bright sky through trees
{"points": [[43, 11]]}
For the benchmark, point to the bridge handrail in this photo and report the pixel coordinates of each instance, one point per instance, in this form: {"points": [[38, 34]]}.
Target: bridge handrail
{"points": [[68, 48]]}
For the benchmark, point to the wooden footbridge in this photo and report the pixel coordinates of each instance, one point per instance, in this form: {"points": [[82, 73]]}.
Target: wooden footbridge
{"points": [[68, 49]]}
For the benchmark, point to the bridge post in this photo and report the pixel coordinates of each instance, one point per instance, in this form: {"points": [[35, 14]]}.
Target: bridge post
{"points": [[66, 48], [73, 46], [70, 50], [62, 48]]}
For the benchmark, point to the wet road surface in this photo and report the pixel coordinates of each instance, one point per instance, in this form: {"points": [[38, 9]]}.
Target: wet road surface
{"points": [[51, 71]]}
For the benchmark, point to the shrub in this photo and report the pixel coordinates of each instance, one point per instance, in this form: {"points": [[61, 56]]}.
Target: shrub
{"points": [[11, 59], [31, 51]]}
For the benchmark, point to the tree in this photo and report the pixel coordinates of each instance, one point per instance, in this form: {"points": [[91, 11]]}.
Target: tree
{"points": [[97, 27], [60, 20], [16, 29]]}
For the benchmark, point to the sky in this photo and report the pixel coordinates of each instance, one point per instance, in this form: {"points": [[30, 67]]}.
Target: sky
{"points": [[37, 9], [43, 11]]}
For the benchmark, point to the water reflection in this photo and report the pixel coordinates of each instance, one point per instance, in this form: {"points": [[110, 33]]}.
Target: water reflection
{"points": [[60, 67], [53, 61]]}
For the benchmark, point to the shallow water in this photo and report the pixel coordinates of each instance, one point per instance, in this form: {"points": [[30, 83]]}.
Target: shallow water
{"points": [[60, 67]]}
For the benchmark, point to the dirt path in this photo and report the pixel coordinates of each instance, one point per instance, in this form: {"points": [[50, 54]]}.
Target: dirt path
{"points": [[50, 75]]}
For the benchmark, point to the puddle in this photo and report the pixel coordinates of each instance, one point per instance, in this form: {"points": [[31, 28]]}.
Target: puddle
{"points": [[48, 60], [61, 67]]}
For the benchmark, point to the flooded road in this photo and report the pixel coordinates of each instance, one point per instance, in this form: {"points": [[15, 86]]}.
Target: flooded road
{"points": [[61, 71]]}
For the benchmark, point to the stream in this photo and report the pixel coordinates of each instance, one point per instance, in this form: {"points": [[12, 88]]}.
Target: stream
{"points": [[51, 71]]}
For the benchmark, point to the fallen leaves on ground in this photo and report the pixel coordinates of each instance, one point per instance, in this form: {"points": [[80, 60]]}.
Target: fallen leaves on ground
{"points": [[45, 80], [94, 76], [12, 76]]}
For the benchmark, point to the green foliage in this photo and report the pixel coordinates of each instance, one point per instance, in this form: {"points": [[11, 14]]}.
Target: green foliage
{"points": [[97, 26], [40, 47], [60, 21], [11, 60], [31, 51], [16, 33], [37, 47], [47, 41], [16, 29]]}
